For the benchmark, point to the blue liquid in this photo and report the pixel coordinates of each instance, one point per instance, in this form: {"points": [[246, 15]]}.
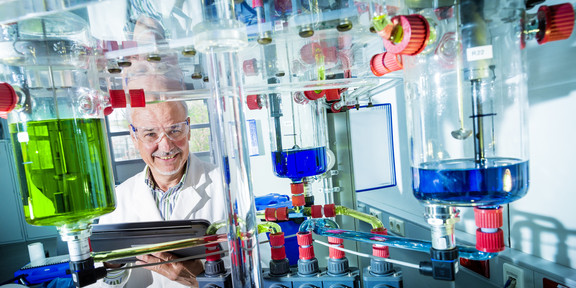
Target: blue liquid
{"points": [[299, 163], [460, 182]]}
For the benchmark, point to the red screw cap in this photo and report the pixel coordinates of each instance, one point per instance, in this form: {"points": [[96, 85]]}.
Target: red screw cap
{"points": [[8, 98], [488, 218], [329, 210], [556, 22], [137, 98], [270, 214], [306, 253], [282, 213], [314, 94], [377, 65], [304, 238], [332, 95], [298, 200], [253, 102], [277, 239], [415, 35], [278, 253], [316, 211], [392, 62], [297, 188], [118, 98], [380, 251], [490, 242]]}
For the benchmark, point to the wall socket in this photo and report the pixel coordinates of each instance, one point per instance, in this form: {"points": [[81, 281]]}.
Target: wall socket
{"points": [[396, 226], [514, 272]]}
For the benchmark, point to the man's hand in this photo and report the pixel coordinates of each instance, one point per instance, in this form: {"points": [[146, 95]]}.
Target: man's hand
{"points": [[183, 272]]}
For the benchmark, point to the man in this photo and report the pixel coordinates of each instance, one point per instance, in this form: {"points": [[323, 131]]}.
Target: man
{"points": [[175, 185]]}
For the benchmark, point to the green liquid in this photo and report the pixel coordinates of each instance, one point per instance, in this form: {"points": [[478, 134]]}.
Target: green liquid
{"points": [[64, 170]]}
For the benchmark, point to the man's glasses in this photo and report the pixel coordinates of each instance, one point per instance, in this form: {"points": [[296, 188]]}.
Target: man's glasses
{"points": [[153, 135]]}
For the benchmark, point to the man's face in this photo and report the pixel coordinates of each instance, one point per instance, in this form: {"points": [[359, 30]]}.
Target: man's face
{"points": [[167, 157]]}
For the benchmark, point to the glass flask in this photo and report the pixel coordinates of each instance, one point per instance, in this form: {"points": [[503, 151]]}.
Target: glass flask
{"points": [[297, 136], [57, 126], [466, 93]]}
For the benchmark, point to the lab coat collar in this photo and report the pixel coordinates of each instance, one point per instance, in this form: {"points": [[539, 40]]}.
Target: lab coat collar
{"points": [[193, 196]]}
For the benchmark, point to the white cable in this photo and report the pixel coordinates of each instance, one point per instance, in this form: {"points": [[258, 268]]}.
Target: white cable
{"points": [[335, 246]]}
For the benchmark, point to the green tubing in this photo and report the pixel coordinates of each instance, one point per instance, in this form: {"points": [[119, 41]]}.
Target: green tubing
{"points": [[214, 227], [269, 227], [372, 220]]}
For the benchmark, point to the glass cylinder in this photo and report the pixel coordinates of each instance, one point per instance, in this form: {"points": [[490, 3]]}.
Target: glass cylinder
{"points": [[467, 104], [57, 128], [297, 136]]}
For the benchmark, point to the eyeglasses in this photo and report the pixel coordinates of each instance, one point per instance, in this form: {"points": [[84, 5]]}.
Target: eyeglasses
{"points": [[153, 135]]}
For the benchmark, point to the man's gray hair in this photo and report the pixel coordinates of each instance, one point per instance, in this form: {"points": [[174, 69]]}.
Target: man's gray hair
{"points": [[128, 110]]}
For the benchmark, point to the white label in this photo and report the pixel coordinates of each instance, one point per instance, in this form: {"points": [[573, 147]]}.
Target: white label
{"points": [[23, 137], [479, 53]]}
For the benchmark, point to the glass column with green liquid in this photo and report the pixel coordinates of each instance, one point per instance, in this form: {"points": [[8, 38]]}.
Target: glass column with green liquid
{"points": [[64, 170]]}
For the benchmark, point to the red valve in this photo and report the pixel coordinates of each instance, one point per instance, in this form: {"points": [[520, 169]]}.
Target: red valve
{"points": [[282, 213], [270, 214], [277, 239], [306, 253], [332, 94], [304, 238], [416, 32], [556, 22]]}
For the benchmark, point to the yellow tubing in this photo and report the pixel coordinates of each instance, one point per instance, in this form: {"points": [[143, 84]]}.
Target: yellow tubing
{"points": [[269, 227], [372, 220]]}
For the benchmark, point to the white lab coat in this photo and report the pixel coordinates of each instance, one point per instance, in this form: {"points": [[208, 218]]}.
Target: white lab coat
{"points": [[200, 198]]}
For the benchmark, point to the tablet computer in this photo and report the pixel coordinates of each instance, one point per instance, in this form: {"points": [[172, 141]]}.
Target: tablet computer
{"points": [[107, 237]]}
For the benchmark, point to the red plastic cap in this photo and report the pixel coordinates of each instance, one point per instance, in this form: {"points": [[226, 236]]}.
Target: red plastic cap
{"points": [[250, 67], [304, 238], [314, 94], [332, 95], [392, 62], [377, 65], [253, 102], [298, 200], [379, 231], [277, 239], [558, 21], [329, 210], [297, 188], [306, 253], [118, 98], [415, 35], [282, 213], [334, 240], [316, 211], [488, 218], [381, 251], [137, 98], [335, 253], [8, 98], [278, 253], [270, 214], [490, 242]]}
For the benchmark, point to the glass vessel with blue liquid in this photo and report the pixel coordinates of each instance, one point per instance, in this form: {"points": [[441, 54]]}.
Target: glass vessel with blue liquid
{"points": [[298, 140], [467, 107]]}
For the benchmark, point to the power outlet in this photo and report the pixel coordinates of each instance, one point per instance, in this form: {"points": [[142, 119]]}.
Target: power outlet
{"points": [[376, 213], [396, 226], [514, 272]]}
